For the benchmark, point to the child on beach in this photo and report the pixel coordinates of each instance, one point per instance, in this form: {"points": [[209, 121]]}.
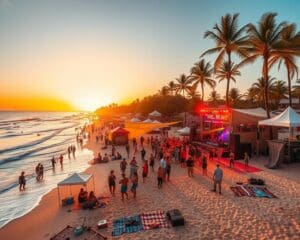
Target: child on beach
{"points": [[134, 180], [124, 186], [22, 181], [112, 182]]}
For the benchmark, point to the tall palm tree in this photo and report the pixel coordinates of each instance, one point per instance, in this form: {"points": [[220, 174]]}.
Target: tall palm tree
{"points": [[201, 73], [265, 42], [257, 89], [192, 92], [214, 97], [289, 36], [171, 87], [183, 83], [227, 71], [229, 39], [279, 91]]}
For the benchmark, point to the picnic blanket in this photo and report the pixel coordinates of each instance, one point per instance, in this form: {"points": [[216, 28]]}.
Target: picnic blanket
{"points": [[127, 225], [252, 191], [154, 219]]}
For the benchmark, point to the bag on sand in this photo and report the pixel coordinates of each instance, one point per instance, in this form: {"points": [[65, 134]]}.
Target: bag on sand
{"points": [[175, 217]]}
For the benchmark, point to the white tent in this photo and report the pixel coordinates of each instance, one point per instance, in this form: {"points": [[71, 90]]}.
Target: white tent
{"points": [[256, 112], [147, 121], [71, 185], [288, 118], [155, 121], [184, 131], [135, 119], [155, 114]]}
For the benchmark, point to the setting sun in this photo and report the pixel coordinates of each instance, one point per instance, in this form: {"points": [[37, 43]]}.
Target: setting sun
{"points": [[91, 103]]}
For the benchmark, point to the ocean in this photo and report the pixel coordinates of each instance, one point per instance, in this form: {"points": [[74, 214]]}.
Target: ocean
{"points": [[29, 138]]}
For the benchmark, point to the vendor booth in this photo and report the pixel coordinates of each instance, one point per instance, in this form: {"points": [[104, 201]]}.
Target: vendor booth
{"points": [[69, 188], [226, 128], [118, 136], [288, 149]]}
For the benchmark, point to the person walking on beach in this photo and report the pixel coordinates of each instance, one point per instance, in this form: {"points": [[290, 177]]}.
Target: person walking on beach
{"points": [[160, 176], [22, 182], [218, 176], [41, 172], [127, 147], [168, 168], [112, 182], [61, 160], [247, 158], [37, 172], [133, 167], [123, 165], [163, 165], [73, 151], [69, 152], [204, 165], [124, 186], [145, 170], [143, 153], [53, 162], [134, 180], [152, 162], [231, 159], [190, 166]]}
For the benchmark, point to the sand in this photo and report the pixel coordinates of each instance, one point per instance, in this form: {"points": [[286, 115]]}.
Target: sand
{"points": [[208, 215]]}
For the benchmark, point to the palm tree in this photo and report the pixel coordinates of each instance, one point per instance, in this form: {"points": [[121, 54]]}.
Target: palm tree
{"points": [[229, 38], [171, 87], [182, 84], [256, 92], [279, 91], [228, 70], [265, 42], [214, 97], [164, 91], [289, 36], [192, 91], [234, 96], [201, 73]]}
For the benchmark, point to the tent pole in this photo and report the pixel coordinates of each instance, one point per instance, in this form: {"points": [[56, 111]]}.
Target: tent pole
{"points": [[94, 183], [58, 195]]}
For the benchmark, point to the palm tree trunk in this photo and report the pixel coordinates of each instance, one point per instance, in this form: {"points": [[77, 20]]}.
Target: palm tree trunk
{"points": [[289, 87], [266, 89], [228, 80], [202, 88]]}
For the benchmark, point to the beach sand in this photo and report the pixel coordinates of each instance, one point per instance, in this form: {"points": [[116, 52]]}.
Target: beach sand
{"points": [[208, 215]]}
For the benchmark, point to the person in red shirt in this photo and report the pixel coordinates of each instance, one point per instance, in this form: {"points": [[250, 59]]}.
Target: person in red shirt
{"points": [[145, 170]]}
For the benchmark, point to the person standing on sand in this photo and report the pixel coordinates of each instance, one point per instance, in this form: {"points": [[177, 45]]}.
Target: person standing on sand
{"points": [[37, 172], [145, 170], [143, 153], [22, 182], [127, 147], [218, 176], [69, 152], [247, 158], [190, 166], [133, 167], [134, 180], [53, 162], [124, 186], [112, 182], [204, 165], [61, 160], [168, 168], [160, 175], [163, 165], [123, 165], [73, 151], [152, 162], [41, 172]]}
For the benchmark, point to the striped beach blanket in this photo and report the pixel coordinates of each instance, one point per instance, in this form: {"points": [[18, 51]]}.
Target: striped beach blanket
{"points": [[251, 191], [127, 225], [154, 219]]}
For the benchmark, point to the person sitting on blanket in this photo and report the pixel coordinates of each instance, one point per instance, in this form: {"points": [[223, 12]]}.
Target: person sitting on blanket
{"points": [[92, 201], [82, 196]]}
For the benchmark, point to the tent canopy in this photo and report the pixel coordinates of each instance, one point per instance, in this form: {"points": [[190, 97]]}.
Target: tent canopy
{"points": [[119, 130], [135, 119], [256, 112], [76, 179], [155, 121], [155, 114], [288, 118], [184, 131], [147, 121]]}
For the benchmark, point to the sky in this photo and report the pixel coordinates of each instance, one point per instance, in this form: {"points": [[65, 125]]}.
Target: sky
{"points": [[81, 54]]}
